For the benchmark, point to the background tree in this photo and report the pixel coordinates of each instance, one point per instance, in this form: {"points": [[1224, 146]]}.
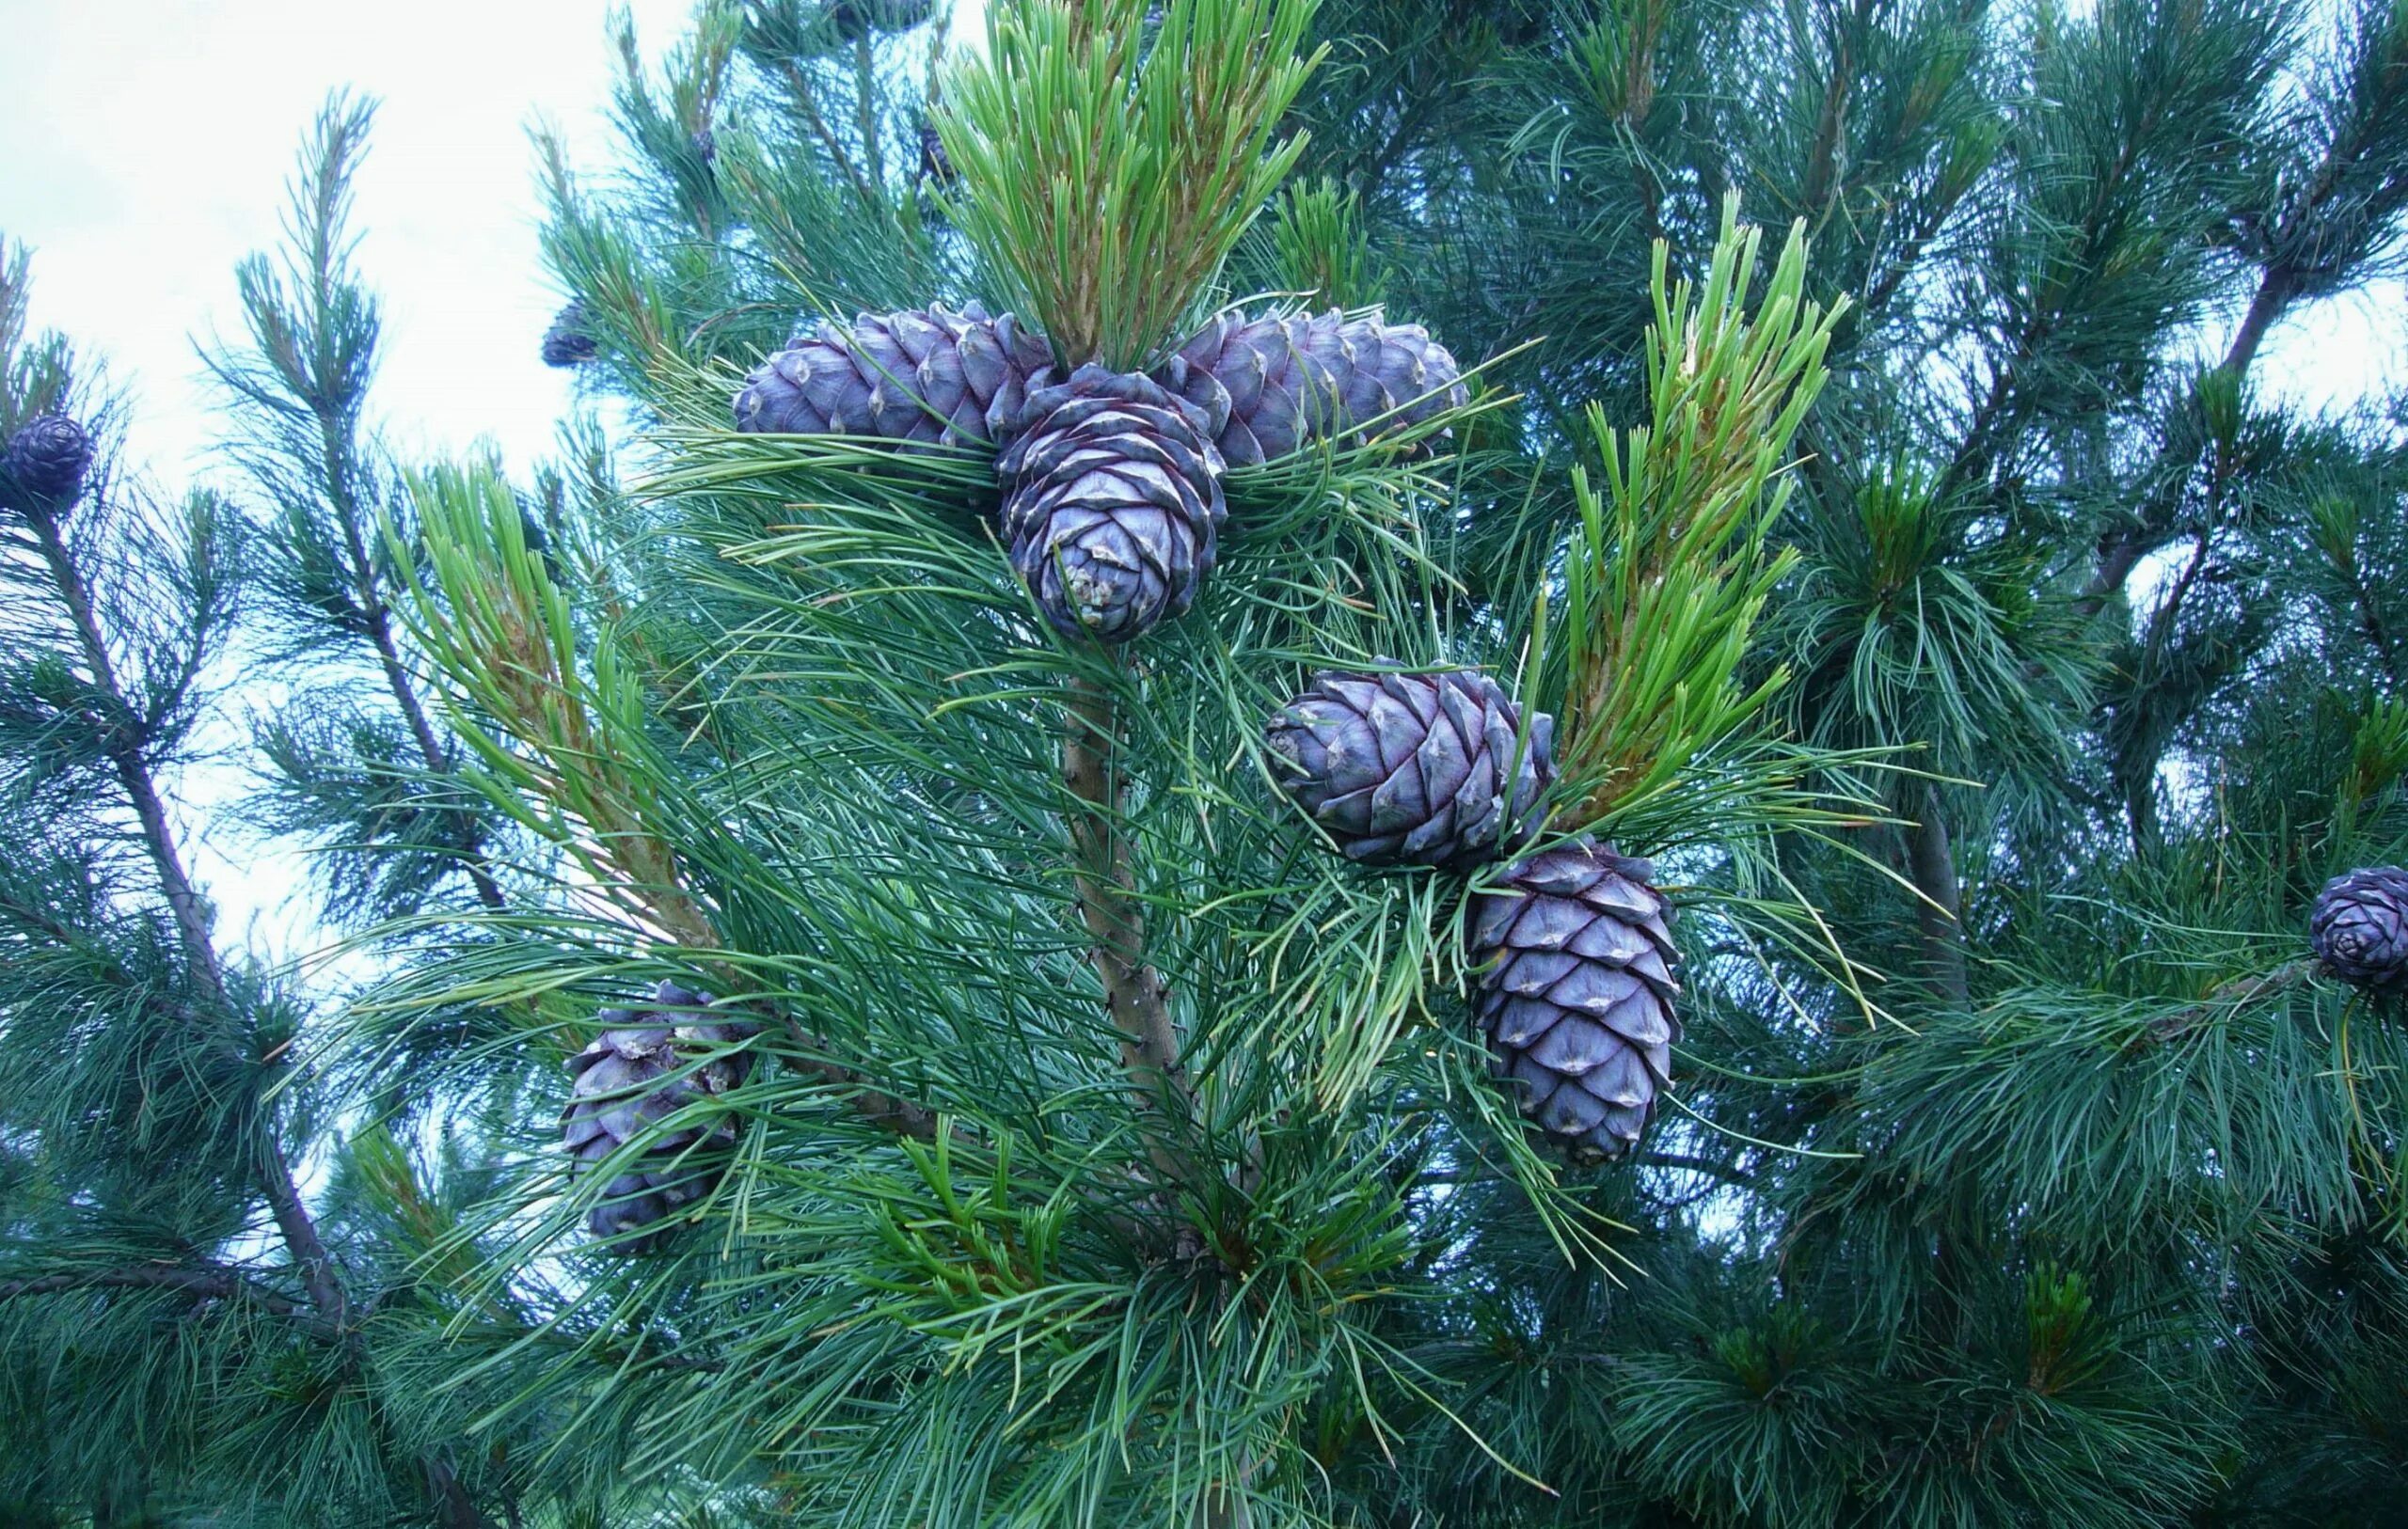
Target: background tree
{"points": [[226, 1251]]}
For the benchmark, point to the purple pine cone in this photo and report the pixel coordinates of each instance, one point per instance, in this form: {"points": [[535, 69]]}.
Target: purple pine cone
{"points": [[1269, 386], [2360, 928], [1112, 504], [1577, 992], [924, 375], [45, 464], [624, 1086], [568, 342], [1414, 769]]}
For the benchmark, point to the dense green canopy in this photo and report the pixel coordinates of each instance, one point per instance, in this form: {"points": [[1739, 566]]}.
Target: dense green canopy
{"points": [[1872, 462]]}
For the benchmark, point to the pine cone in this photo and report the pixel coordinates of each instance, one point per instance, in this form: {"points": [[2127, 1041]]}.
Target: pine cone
{"points": [[619, 1091], [1577, 995], [1411, 769], [857, 19], [1112, 503], [45, 464], [2360, 928], [935, 165], [922, 374], [1269, 386], [567, 344]]}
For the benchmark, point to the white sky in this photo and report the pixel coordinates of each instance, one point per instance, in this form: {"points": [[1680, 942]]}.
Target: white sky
{"points": [[144, 146]]}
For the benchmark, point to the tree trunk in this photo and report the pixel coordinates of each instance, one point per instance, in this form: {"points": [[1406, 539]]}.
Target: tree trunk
{"points": [[1932, 865]]}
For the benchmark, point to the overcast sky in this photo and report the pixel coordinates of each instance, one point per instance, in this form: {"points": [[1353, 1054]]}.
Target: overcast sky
{"points": [[144, 146]]}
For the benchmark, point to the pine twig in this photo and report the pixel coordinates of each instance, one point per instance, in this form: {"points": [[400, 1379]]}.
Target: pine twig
{"points": [[292, 1221], [2228, 995], [1134, 991], [208, 1283]]}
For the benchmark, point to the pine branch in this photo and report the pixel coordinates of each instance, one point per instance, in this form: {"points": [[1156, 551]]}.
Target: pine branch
{"points": [[1134, 993], [2237, 993], [315, 334], [213, 1282], [293, 1220], [1931, 864]]}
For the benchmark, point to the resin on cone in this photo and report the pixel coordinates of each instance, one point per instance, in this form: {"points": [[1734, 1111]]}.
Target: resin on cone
{"points": [[627, 1080], [1112, 504], [1269, 386], [45, 462], [1414, 769], [2360, 928], [923, 375], [1577, 992]]}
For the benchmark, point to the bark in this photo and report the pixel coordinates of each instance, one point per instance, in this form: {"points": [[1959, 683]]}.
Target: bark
{"points": [[1932, 866], [211, 1283], [1134, 991], [458, 1511]]}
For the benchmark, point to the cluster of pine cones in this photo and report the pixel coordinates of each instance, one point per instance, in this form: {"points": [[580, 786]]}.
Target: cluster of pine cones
{"points": [[1112, 509], [1112, 506], [1577, 962]]}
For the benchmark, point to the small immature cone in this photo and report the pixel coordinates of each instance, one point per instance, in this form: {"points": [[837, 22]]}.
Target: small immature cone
{"points": [[1414, 769], [858, 19], [623, 1084], [1112, 504], [567, 342], [44, 464], [2360, 928], [924, 375], [1577, 992], [1269, 386]]}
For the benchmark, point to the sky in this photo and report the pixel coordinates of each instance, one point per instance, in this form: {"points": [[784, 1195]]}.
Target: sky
{"points": [[144, 146]]}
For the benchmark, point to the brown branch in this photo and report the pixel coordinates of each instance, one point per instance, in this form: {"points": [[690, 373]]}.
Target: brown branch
{"points": [[309, 1251], [1134, 992], [378, 618], [1932, 867], [809, 105], [1686, 1163], [209, 1284], [2369, 620], [898, 1114], [2227, 997]]}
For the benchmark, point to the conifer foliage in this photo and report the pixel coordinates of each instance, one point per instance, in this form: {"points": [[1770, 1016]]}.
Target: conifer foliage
{"points": [[1722, 855]]}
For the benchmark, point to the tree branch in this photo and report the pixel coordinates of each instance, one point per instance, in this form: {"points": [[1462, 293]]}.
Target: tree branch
{"points": [[334, 457], [1737, 1178], [208, 1283], [2228, 995], [1134, 991], [1932, 866], [300, 1234]]}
